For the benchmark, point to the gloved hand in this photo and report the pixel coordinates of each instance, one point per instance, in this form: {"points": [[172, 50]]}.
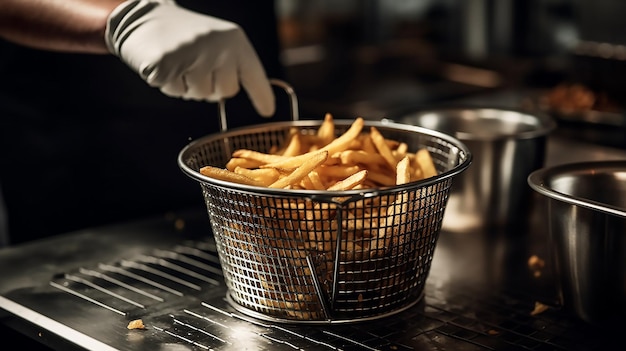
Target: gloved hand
{"points": [[187, 54]]}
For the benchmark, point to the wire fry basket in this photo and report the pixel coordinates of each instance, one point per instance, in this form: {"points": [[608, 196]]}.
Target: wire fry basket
{"points": [[312, 256]]}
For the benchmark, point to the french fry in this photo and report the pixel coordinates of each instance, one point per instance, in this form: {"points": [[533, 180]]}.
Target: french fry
{"points": [[350, 182], [354, 157], [260, 157], [338, 171], [341, 143], [316, 181], [381, 178], [305, 183], [338, 144], [403, 171], [265, 176], [302, 171], [224, 174], [326, 131], [235, 162], [367, 144], [294, 146], [400, 151], [389, 230], [426, 163], [382, 147]]}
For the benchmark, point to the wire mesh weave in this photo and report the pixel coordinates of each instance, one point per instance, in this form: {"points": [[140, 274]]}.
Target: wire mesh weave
{"points": [[323, 262]]}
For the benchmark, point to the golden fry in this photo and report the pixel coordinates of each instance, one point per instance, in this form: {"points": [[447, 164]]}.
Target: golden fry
{"points": [[260, 157], [302, 171], [350, 182], [326, 131], [381, 178], [336, 145], [342, 142], [235, 162], [390, 228], [426, 163], [400, 151], [382, 147], [266, 176], [224, 174], [293, 148], [316, 180], [367, 144], [337, 172], [306, 183], [403, 172], [354, 157]]}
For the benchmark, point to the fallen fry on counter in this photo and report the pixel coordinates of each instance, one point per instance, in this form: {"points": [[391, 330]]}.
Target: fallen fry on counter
{"points": [[539, 308], [136, 324]]}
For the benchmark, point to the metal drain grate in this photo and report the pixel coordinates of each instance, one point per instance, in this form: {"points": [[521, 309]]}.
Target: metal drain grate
{"points": [[146, 280], [180, 295]]}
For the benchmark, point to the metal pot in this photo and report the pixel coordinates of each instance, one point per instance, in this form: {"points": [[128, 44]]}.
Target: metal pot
{"points": [[587, 224], [506, 145]]}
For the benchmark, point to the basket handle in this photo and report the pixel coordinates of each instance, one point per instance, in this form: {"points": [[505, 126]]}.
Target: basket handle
{"points": [[293, 102]]}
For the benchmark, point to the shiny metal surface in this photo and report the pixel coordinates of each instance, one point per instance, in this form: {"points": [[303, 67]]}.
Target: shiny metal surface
{"points": [[506, 146], [587, 224]]}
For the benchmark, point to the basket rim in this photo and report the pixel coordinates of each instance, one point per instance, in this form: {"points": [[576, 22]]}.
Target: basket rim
{"points": [[386, 124]]}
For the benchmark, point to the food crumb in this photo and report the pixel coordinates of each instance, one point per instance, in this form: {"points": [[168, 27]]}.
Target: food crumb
{"points": [[136, 324], [539, 308], [179, 224], [536, 264], [492, 332]]}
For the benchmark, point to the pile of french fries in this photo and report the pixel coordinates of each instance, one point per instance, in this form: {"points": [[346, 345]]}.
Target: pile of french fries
{"points": [[293, 228], [357, 159]]}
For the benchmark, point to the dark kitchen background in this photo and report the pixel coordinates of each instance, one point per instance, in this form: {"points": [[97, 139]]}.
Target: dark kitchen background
{"points": [[388, 58], [378, 58], [384, 59]]}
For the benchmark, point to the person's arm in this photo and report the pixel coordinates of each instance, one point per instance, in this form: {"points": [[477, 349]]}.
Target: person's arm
{"points": [[57, 25], [183, 53]]}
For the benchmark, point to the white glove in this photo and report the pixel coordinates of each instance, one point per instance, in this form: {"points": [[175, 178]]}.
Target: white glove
{"points": [[187, 54]]}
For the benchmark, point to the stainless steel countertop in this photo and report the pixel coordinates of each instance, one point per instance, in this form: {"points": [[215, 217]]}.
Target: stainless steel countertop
{"points": [[479, 294]]}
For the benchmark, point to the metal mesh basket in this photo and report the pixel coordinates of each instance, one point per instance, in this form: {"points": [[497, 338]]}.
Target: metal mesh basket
{"points": [[313, 256]]}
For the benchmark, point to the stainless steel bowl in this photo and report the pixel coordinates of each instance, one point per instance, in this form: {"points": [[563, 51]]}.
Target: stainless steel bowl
{"points": [[586, 218], [506, 145]]}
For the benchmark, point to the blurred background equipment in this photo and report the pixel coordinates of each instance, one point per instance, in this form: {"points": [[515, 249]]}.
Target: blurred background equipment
{"points": [[381, 59], [506, 146]]}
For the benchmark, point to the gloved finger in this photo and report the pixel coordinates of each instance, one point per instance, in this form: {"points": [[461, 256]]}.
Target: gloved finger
{"points": [[225, 82], [259, 90], [255, 82]]}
